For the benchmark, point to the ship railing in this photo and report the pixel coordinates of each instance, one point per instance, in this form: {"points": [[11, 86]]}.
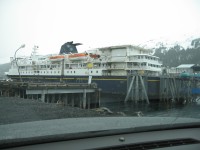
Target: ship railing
{"points": [[144, 60], [143, 67], [147, 73]]}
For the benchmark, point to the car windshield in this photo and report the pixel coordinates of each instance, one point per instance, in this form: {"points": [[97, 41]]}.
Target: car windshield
{"points": [[99, 58]]}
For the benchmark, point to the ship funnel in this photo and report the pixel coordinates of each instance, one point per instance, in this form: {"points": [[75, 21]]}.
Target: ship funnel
{"points": [[69, 48]]}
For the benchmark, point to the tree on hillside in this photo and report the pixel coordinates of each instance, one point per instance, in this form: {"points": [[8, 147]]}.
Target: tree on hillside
{"points": [[178, 55]]}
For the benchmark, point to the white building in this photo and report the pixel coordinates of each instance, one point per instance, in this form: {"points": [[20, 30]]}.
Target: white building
{"points": [[185, 68]]}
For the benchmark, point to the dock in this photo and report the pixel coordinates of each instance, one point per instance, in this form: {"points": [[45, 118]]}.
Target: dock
{"points": [[140, 88], [164, 88], [73, 94]]}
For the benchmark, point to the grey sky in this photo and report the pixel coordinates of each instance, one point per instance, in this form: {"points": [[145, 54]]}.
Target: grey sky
{"points": [[95, 23]]}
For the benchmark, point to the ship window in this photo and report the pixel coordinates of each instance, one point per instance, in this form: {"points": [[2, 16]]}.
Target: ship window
{"points": [[54, 71], [47, 71], [67, 71], [58, 71], [91, 71], [135, 64], [66, 66], [71, 71], [143, 64], [74, 71], [96, 71]]}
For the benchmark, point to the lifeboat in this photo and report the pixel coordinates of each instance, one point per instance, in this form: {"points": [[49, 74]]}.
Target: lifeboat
{"points": [[82, 56], [57, 57], [95, 56], [78, 56]]}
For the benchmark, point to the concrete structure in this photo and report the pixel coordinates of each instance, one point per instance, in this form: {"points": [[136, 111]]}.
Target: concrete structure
{"points": [[79, 95]]}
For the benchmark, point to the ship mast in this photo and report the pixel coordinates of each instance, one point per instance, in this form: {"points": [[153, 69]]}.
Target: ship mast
{"points": [[35, 48]]}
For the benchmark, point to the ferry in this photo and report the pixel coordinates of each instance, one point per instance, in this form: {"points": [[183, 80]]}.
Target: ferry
{"points": [[108, 67]]}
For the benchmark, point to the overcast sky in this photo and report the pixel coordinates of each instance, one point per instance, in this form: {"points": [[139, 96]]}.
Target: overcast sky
{"points": [[95, 23]]}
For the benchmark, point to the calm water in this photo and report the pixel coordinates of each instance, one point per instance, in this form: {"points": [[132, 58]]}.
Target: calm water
{"points": [[191, 110]]}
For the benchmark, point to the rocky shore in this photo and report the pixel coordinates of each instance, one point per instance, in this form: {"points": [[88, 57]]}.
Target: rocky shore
{"points": [[15, 110]]}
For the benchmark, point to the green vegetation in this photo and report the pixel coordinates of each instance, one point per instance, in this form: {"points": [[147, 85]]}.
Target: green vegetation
{"points": [[177, 55], [4, 68]]}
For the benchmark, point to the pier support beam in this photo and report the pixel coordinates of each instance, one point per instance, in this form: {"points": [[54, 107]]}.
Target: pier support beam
{"points": [[53, 98], [129, 89], [88, 104], [99, 97], [138, 90], [48, 101], [84, 98], [66, 99], [144, 90], [43, 97], [72, 99]]}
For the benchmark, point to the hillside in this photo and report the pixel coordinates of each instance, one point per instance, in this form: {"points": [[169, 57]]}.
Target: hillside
{"points": [[4, 68], [176, 55]]}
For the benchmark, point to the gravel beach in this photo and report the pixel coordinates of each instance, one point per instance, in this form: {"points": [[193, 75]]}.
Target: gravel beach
{"points": [[15, 110]]}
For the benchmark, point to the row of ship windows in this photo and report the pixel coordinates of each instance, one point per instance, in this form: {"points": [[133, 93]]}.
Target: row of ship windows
{"points": [[145, 64], [52, 72], [146, 57], [58, 66], [84, 65], [75, 71], [152, 65], [27, 72], [41, 66]]}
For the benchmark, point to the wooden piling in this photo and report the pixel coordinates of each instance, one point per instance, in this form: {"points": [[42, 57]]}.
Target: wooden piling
{"points": [[129, 89], [72, 100], [144, 90], [136, 90], [88, 104], [84, 98]]}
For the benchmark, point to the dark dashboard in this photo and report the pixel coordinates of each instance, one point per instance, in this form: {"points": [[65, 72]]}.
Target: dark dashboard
{"points": [[158, 136]]}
